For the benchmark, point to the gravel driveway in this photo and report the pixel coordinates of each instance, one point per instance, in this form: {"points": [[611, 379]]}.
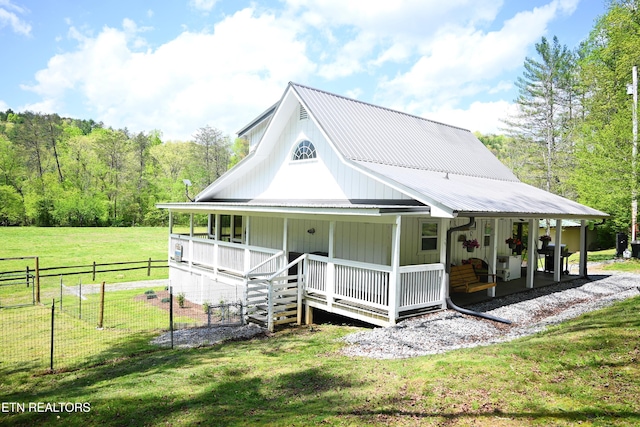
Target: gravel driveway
{"points": [[529, 312]]}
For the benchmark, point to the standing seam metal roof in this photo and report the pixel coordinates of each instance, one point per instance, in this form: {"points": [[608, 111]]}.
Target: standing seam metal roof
{"points": [[365, 132]]}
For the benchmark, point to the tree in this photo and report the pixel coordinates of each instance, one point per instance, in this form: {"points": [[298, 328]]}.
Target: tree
{"points": [[239, 151], [544, 126], [603, 177], [214, 149]]}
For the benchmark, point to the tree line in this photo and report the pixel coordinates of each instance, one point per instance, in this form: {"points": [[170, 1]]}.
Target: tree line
{"points": [[572, 133], [57, 171]]}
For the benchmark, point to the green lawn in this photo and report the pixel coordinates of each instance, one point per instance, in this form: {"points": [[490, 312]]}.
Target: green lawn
{"points": [[63, 246], [583, 372]]}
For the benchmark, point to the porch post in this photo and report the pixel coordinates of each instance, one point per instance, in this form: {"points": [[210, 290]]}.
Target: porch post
{"points": [[583, 248], [494, 254], [557, 253], [285, 241], [170, 233], [532, 253], [247, 252], [217, 231], [190, 240], [331, 267], [394, 277]]}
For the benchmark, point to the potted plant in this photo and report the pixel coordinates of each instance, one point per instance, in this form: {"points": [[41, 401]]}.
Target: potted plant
{"points": [[512, 242], [545, 241], [470, 245]]}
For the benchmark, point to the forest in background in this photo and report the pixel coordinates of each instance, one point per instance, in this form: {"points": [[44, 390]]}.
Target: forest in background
{"points": [[571, 135]]}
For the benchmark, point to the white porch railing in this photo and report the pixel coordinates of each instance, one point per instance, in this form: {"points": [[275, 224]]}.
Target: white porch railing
{"points": [[217, 255], [368, 284], [364, 286], [421, 285]]}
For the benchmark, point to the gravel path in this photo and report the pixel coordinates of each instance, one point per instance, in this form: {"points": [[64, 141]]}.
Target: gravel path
{"points": [[529, 312]]}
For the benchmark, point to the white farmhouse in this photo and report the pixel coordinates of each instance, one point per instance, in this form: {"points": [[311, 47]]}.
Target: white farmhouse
{"points": [[358, 210]]}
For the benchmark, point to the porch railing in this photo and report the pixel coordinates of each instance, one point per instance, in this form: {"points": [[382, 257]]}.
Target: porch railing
{"points": [[368, 284], [217, 255]]}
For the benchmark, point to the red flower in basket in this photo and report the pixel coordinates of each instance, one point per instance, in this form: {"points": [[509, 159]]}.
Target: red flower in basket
{"points": [[470, 244]]}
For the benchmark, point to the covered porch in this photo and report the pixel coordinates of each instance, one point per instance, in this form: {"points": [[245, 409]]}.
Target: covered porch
{"points": [[287, 264], [285, 284]]}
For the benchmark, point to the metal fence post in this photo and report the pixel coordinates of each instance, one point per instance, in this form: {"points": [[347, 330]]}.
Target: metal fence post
{"points": [[171, 313], [60, 292], [80, 299], [53, 309]]}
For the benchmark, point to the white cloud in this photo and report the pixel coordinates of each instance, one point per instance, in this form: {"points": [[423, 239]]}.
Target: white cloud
{"points": [[480, 116], [218, 78], [462, 61], [204, 5], [9, 17]]}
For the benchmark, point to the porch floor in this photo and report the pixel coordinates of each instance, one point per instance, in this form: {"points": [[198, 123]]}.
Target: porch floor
{"points": [[540, 279]]}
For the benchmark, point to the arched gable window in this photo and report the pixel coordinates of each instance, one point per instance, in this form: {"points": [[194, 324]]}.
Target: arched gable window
{"points": [[304, 151]]}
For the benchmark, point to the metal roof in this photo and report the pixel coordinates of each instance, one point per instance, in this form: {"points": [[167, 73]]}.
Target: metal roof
{"points": [[365, 132], [483, 196]]}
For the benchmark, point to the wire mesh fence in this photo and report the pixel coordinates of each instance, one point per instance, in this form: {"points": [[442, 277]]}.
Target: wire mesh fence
{"points": [[87, 325]]}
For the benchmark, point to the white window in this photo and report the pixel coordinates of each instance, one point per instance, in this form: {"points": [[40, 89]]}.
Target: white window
{"points": [[303, 151], [428, 236]]}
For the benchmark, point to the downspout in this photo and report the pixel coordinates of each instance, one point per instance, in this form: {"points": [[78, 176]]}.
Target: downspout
{"points": [[447, 268]]}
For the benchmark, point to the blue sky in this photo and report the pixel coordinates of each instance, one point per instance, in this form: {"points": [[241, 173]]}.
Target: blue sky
{"points": [[177, 65]]}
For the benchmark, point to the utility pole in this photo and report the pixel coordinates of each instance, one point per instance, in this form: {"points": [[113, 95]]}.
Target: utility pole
{"points": [[633, 90]]}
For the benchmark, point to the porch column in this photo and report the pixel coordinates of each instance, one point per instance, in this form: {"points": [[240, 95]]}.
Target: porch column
{"points": [[170, 233], [285, 241], [217, 231], [190, 240], [532, 254], [331, 267], [493, 248], [394, 276], [583, 248], [247, 252], [557, 258]]}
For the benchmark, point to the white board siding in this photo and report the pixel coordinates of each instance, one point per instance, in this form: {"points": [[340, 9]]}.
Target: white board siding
{"points": [[410, 245], [255, 134], [266, 232], [300, 240], [363, 242], [324, 178]]}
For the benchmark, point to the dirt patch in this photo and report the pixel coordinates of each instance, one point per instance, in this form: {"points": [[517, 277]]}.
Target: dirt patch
{"points": [[189, 309]]}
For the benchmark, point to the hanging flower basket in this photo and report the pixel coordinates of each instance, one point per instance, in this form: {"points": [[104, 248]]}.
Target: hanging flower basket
{"points": [[545, 241], [513, 242], [470, 245]]}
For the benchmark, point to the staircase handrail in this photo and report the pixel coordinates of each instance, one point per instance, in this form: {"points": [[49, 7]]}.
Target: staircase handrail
{"points": [[287, 267], [271, 258]]}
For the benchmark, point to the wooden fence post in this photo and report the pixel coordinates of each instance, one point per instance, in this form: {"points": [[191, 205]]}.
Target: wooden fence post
{"points": [[94, 271], [27, 276], [101, 314], [149, 268], [37, 281]]}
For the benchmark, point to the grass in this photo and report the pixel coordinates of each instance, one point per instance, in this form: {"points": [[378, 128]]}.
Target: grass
{"points": [[585, 371], [56, 247]]}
